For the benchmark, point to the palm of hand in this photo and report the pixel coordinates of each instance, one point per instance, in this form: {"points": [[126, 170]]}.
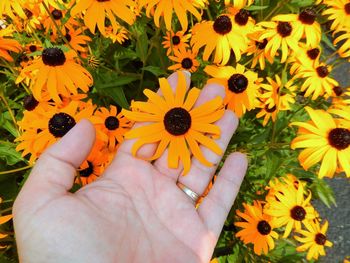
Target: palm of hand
{"points": [[135, 213]]}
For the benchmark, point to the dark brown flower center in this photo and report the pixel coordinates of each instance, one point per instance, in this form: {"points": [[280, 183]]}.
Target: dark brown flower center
{"points": [[264, 227], [237, 83], [320, 239], [298, 213], [68, 37], [87, 171], [28, 13], [223, 25], [313, 53], [32, 48], [177, 121], [112, 123], [347, 8], [30, 103], [308, 16], [270, 110], [241, 18], [57, 14], [103, 0], [176, 40], [284, 29], [339, 138], [261, 45], [60, 124], [322, 71], [187, 63], [53, 56], [338, 90]]}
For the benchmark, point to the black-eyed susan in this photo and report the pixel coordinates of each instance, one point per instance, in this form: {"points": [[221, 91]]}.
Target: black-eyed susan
{"points": [[339, 12], [304, 58], [96, 12], [111, 126], [240, 85], [257, 228], [174, 41], [317, 80], [43, 126], [279, 94], [304, 25], [185, 60], [50, 22], [314, 239], [280, 34], [32, 22], [58, 73], [344, 49], [290, 209], [326, 139], [166, 8], [267, 111], [93, 166], [120, 35], [256, 48], [219, 35], [77, 40], [175, 124]]}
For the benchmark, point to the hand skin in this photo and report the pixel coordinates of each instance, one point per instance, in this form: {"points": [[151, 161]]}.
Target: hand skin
{"points": [[134, 212]]}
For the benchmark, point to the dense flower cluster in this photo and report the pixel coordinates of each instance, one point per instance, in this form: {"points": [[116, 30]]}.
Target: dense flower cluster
{"points": [[102, 60]]}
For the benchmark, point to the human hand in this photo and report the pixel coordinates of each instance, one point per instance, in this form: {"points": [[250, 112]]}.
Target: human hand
{"points": [[135, 212]]}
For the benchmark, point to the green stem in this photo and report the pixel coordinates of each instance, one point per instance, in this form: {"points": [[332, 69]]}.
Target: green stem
{"points": [[277, 7], [16, 170], [2, 97]]}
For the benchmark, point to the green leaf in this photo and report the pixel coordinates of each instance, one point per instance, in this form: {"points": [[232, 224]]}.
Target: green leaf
{"points": [[256, 7], [142, 46], [328, 43], [118, 81], [320, 189], [9, 154], [7, 123], [302, 3], [157, 71], [117, 95]]}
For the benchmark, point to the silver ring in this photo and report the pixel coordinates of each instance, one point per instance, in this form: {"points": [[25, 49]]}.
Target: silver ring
{"points": [[194, 196]]}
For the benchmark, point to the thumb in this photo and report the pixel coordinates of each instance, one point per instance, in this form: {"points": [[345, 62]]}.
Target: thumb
{"points": [[53, 174]]}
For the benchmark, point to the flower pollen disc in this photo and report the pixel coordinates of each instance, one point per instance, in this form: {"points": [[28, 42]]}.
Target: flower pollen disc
{"points": [[112, 123], [177, 121], [264, 227], [284, 29], [57, 14], [175, 40], [308, 16], [60, 124], [298, 213], [53, 56], [320, 239], [347, 8], [322, 71], [187, 63], [237, 83], [87, 171], [223, 25], [241, 18], [339, 138], [30, 103], [313, 53]]}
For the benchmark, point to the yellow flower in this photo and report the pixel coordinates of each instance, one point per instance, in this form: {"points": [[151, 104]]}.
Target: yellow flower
{"points": [[257, 228], [290, 208], [339, 12], [119, 36], [280, 34], [344, 49], [57, 73], [240, 85], [166, 8], [219, 35], [325, 139], [304, 58], [175, 123], [186, 60], [9, 7], [3, 220], [239, 3], [318, 82], [175, 41], [95, 13], [314, 240]]}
